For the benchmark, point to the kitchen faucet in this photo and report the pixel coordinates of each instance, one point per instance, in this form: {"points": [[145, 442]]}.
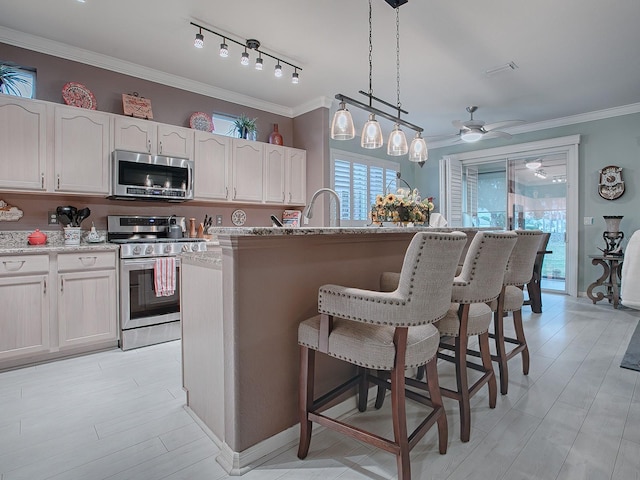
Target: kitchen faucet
{"points": [[308, 209]]}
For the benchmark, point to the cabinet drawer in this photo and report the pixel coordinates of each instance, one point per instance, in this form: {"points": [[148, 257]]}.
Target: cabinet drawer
{"points": [[22, 264], [86, 261]]}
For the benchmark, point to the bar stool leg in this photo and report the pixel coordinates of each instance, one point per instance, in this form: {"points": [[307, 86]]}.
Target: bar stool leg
{"points": [[363, 389], [399, 415], [436, 399], [305, 399], [460, 348], [501, 349], [517, 322], [485, 353]]}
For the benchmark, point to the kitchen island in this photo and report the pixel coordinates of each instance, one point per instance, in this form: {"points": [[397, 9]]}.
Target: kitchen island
{"points": [[242, 302]]}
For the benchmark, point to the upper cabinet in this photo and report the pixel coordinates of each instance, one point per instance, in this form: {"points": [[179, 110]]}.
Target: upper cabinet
{"points": [[23, 144], [211, 171], [274, 178], [247, 170], [82, 150], [149, 137], [296, 176]]}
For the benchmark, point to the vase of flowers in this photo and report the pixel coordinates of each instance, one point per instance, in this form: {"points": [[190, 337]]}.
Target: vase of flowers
{"points": [[404, 207]]}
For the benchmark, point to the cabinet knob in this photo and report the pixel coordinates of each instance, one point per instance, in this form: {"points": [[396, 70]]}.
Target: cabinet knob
{"points": [[149, 146]]}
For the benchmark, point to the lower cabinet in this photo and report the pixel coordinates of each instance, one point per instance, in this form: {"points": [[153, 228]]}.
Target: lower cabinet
{"points": [[87, 301], [46, 312], [24, 321]]}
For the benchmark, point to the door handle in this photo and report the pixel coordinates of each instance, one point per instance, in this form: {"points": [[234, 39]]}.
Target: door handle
{"points": [[160, 148], [149, 146], [88, 261]]}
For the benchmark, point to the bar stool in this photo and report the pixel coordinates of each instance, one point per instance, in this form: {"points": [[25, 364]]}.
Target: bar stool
{"points": [[519, 271], [479, 282], [387, 331]]}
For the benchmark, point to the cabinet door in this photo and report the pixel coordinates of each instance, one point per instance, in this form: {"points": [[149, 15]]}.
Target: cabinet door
{"points": [[24, 321], [87, 307], [81, 150], [135, 135], [247, 170], [296, 176], [211, 171], [175, 141], [274, 174], [23, 144]]}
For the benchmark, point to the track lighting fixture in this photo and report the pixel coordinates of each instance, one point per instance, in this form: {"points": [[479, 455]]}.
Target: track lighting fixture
{"points": [[250, 44], [199, 41], [540, 173], [342, 127]]}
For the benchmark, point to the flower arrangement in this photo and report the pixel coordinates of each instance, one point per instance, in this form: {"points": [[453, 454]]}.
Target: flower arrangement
{"points": [[403, 206]]}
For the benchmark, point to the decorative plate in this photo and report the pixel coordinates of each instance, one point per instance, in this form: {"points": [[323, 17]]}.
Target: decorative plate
{"points": [[201, 121], [238, 217], [78, 95]]}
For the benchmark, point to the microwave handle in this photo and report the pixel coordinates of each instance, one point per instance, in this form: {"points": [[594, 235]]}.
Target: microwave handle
{"points": [[190, 178]]}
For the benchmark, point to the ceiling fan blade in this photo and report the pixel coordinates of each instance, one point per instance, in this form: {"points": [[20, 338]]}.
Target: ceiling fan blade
{"points": [[505, 123], [435, 138], [459, 124], [496, 134]]}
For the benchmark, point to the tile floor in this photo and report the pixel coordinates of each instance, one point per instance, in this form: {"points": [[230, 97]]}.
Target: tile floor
{"points": [[119, 415]]}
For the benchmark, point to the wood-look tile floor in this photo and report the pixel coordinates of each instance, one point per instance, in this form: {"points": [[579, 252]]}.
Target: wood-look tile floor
{"points": [[119, 415]]}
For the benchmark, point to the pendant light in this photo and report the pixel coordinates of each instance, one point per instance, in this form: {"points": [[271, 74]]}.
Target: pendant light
{"points": [[418, 152], [371, 132], [397, 145], [342, 125]]}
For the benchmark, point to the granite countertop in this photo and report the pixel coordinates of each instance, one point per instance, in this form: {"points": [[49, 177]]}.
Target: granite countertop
{"points": [[210, 258], [15, 242], [279, 231]]}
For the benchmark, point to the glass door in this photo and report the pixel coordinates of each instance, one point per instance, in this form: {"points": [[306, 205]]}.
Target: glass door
{"points": [[537, 200]]}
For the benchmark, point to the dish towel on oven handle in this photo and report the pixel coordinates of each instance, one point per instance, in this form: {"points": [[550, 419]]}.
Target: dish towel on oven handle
{"points": [[164, 276]]}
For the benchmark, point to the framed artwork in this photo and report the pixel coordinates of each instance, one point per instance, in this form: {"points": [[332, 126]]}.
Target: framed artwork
{"points": [[136, 106]]}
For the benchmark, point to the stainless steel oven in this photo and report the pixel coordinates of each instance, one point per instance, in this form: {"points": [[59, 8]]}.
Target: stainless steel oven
{"points": [[145, 317]]}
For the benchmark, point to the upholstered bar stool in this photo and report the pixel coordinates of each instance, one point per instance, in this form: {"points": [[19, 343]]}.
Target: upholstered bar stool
{"points": [[479, 282], [387, 331], [519, 271]]}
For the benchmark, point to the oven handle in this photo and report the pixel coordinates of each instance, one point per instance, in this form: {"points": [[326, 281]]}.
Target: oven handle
{"points": [[129, 264]]}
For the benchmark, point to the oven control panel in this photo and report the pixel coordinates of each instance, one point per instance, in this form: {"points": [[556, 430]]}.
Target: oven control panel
{"points": [[160, 249]]}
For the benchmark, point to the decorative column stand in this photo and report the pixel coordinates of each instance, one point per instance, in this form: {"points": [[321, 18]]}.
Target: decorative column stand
{"points": [[613, 236]]}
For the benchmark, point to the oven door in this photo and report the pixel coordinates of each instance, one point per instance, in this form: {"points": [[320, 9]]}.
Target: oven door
{"points": [[139, 305]]}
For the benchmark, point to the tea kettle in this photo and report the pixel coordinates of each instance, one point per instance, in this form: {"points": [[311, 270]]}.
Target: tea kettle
{"points": [[173, 229]]}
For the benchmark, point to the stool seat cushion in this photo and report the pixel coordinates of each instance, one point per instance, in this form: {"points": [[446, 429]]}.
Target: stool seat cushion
{"points": [[479, 320], [513, 298], [371, 346]]}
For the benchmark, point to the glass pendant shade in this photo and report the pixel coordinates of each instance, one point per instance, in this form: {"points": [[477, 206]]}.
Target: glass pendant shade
{"points": [[418, 151], [371, 134], [397, 145], [342, 125]]}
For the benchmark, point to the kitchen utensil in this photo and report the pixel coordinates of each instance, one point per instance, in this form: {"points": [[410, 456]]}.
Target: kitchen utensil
{"points": [[66, 215], [81, 215], [174, 230], [37, 238]]}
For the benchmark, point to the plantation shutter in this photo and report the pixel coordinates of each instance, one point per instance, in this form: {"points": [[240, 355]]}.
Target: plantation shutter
{"points": [[342, 186], [451, 185]]}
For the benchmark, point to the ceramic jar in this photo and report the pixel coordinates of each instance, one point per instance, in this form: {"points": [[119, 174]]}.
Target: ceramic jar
{"points": [[37, 238]]}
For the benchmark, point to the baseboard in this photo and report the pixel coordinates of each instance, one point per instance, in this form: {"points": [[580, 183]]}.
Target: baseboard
{"points": [[239, 463]]}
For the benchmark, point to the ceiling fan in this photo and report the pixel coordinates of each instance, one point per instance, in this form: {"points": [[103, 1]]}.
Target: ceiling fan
{"points": [[473, 130]]}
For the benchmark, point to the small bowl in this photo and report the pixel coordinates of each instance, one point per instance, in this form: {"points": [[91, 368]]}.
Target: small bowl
{"points": [[37, 238]]}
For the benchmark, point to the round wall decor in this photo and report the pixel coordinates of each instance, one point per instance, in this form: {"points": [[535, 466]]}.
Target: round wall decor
{"points": [[238, 217]]}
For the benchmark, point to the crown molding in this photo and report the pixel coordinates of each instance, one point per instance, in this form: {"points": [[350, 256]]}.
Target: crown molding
{"points": [[556, 122], [61, 50], [320, 102]]}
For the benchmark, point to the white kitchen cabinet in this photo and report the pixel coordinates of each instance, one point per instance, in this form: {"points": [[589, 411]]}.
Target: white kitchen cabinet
{"points": [[87, 298], [296, 176], [285, 175], [274, 174], [23, 144], [212, 161], [24, 301], [139, 135], [82, 150], [247, 170]]}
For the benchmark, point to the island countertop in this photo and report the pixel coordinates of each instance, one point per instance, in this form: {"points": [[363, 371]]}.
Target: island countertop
{"points": [[280, 231]]}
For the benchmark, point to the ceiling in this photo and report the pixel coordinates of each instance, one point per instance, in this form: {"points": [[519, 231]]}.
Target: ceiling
{"points": [[574, 56]]}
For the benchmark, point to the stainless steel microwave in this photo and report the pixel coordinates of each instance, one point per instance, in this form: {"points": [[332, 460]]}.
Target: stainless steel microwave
{"points": [[151, 177]]}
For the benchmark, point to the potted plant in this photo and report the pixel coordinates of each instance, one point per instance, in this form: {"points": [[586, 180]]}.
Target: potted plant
{"points": [[10, 78], [245, 127]]}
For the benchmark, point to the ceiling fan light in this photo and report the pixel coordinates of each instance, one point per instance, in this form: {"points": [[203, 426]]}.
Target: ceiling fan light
{"points": [[471, 135], [533, 164], [342, 125], [418, 151], [371, 134], [397, 144]]}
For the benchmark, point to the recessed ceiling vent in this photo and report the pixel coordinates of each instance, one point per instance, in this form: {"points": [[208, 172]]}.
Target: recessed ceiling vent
{"points": [[507, 67]]}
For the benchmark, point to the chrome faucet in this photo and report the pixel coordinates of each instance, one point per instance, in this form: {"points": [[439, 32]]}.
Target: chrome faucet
{"points": [[307, 213]]}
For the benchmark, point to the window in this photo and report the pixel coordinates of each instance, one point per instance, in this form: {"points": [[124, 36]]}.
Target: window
{"points": [[224, 125], [357, 180], [24, 84]]}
